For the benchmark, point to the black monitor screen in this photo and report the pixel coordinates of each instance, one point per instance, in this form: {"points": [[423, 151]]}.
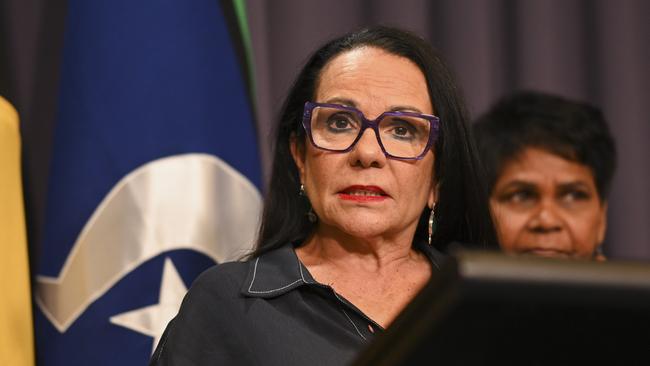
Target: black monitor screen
{"points": [[493, 309]]}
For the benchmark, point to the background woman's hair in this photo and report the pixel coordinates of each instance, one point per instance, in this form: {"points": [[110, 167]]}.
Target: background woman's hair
{"points": [[573, 130], [462, 211]]}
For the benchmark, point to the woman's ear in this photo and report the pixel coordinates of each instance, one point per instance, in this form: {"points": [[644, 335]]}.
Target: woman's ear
{"points": [[298, 154]]}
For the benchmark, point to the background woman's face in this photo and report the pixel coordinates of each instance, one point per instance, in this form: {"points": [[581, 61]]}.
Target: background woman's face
{"points": [[362, 193], [546, 205]]}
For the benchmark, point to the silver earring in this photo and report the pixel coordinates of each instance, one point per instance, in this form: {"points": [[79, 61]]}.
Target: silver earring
{"points": [[302, 190], [432, 224]]}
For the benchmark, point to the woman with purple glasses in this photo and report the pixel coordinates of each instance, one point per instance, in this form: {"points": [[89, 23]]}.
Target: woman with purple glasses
{"points": [[374, 176]]}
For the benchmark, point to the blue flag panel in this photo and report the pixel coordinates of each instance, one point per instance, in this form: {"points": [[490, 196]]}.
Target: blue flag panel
{"points": [[154, 175]]}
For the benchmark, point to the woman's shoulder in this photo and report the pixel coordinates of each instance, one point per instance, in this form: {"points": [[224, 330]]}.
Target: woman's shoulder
{"points": [[222, 278], [212, 307], [259, 276]]}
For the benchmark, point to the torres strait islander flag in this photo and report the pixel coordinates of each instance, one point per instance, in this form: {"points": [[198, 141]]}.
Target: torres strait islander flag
{"points": [[154, 175]]}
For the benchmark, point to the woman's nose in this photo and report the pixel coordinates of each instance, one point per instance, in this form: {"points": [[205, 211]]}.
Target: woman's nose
{"points": [[545, 218], [367, 152]]}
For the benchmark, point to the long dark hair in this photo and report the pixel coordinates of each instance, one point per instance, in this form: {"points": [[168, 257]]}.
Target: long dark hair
{"points": [[461, 211]]}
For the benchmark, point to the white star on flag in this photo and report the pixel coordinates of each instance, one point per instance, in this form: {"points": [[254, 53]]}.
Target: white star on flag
{"points": [[152, 320]]}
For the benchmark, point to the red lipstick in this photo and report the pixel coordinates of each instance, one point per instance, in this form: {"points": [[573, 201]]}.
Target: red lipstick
{"points": [[359, 193]]}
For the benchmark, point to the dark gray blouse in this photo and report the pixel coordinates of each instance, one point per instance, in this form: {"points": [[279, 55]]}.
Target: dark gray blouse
{"points": [[266, 311]]}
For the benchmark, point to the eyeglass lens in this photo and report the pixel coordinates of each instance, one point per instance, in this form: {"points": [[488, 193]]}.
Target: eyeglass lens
{"points": [[337, 129]]}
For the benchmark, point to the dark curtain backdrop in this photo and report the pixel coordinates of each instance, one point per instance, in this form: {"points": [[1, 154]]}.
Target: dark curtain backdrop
{"points": [[597, 51]]}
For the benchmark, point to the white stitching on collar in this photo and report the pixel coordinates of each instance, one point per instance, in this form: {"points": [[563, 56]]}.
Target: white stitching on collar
{"points": [[250, 288]]}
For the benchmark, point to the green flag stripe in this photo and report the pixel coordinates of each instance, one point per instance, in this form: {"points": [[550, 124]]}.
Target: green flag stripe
{"points": [[242, 20]]}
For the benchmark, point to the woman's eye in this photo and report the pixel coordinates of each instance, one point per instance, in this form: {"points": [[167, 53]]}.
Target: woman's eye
{"points": [[519, 197], [575, 195], [400, 129], [340, 122]]}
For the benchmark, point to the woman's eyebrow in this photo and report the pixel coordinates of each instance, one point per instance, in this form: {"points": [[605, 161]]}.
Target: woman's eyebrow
{"points": [[342, 101], [352, 103], [404, 108], [574, 184], [518, 183]]}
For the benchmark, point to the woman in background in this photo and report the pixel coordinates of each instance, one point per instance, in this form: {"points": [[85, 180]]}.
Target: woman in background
{"points": [[549, 162]]}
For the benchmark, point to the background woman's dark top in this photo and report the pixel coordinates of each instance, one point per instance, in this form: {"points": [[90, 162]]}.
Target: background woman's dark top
{"points": [[267, 311]]}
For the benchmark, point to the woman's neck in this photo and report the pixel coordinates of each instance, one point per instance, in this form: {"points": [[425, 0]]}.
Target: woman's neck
{"points": [[379, 275], [375, 254]]}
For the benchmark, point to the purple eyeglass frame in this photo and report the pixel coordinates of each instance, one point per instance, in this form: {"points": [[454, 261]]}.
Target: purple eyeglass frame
{"points": [[366, 123]]}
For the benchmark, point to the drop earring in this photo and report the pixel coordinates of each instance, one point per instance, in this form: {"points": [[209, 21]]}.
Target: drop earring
{"points": [[432, 223]]}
